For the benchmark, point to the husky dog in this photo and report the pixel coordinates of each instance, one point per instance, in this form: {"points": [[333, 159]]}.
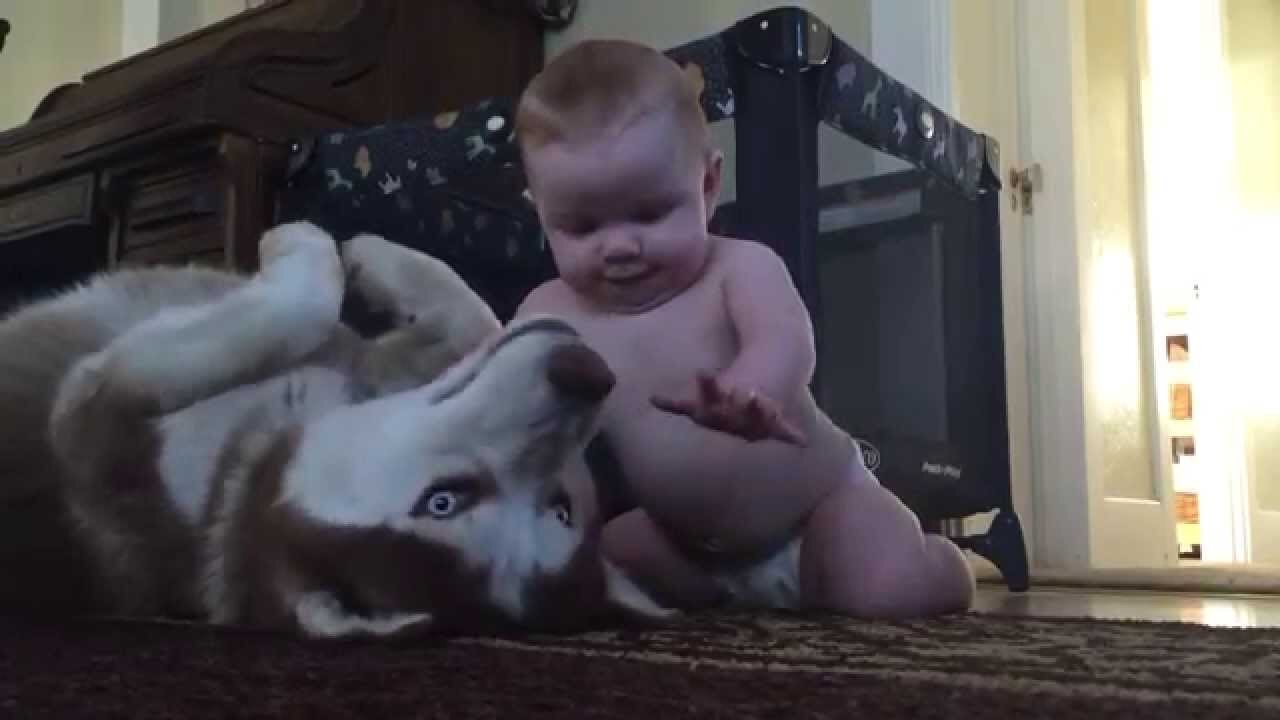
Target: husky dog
{"points": [[227, 450]]}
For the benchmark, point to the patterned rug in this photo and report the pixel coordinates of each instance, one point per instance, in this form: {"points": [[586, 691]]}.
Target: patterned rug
{"points": [[724, 666]]}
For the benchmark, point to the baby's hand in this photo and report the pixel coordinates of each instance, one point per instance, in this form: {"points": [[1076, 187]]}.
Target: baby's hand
{"points": [[745, 413]]}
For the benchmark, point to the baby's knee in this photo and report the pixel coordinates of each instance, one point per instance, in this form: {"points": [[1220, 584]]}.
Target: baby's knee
{"points": [[616, 547], [633, 543], [951, 577], [932, 578]]}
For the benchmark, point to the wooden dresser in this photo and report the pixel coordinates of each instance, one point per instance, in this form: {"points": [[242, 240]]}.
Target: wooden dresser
{"points": [[175, 154]]}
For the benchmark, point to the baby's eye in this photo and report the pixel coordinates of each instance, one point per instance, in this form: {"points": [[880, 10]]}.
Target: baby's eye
{"points": [[579, 227], [650, 215]]}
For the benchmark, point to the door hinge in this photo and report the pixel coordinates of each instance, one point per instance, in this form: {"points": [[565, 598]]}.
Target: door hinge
{"points": [[1024, 182]]}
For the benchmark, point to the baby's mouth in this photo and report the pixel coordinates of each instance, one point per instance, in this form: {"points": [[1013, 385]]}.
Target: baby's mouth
{"points": [[627, 277]]}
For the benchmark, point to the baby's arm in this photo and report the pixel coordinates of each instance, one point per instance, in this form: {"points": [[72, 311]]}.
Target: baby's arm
{"points": [[776, 354]]}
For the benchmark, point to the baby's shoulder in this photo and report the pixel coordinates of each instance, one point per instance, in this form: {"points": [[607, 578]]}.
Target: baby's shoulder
{"points": [[552, 296], [734, 255]]}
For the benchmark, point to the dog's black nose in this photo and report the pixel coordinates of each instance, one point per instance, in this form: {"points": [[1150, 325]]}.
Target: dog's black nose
{"points": [[579, 372]]}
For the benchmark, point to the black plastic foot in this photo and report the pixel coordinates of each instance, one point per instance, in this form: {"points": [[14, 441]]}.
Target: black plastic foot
{"points": [[1004, 545]]}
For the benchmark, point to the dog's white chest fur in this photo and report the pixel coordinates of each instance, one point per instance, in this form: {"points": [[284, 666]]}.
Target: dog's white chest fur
{"points": [[194, 438]]}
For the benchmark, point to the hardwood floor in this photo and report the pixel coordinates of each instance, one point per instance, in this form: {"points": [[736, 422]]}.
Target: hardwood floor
{"points": [[1211, 609]]}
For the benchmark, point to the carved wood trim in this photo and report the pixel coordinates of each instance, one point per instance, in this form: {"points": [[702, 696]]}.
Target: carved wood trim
{"points": [[278, 73]]}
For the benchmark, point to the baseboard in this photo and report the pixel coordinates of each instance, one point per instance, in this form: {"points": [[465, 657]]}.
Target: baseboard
{"points": [[1235, 579]]}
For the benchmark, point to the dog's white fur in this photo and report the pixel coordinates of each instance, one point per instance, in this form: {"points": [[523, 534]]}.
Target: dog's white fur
{"points": [[229, 451]]}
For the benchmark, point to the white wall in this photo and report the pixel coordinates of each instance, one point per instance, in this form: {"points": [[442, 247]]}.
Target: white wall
{"points": [[148, 23], [668, 23], [140, 26], [58, 41], [179, 17], [911, 39], [52, 42]]}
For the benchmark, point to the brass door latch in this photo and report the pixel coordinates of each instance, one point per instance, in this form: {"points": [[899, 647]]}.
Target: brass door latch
{"points": [[1022, 183]]}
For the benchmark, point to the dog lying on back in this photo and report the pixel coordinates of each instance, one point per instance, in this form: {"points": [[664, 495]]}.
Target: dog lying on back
{"points": [[227, 450]]}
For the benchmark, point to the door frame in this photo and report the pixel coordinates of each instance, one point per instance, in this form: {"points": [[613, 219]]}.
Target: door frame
{"points": [[1079, 527]]}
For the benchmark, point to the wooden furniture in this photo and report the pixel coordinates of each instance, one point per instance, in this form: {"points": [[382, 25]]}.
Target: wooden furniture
{"points": [[175, 154]]}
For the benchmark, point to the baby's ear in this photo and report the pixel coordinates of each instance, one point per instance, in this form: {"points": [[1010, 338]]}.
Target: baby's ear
{"points": [[693, 75], [711, 178]]}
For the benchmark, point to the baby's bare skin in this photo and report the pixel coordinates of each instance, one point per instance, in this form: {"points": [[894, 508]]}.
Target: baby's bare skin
{"points": [[764, 500], [709, 487]]}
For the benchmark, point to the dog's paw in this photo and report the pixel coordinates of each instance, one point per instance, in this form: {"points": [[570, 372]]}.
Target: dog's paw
{"points": [[301, 272], [320, 615], [376, 269], [301, 252], [634, 604]]}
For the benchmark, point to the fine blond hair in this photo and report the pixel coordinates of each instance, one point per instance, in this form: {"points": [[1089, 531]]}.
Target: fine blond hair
{"points": [[602, 87]]}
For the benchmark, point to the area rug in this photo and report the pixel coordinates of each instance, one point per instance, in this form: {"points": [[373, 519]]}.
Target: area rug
{"points": [[721, 666]]}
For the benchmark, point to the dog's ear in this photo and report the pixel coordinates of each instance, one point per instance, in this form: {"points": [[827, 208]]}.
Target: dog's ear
{"points": [[627, 598]]}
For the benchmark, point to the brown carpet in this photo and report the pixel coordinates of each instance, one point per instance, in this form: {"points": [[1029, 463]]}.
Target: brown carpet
{"points": [[775, 666]]}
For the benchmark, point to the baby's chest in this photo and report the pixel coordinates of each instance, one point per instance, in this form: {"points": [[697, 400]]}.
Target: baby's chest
{"points": [[665, 347]]}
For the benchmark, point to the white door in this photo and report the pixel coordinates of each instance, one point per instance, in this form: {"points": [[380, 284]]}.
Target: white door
{"points": [[1100, 459], [1238, 42], [1251, 39]]}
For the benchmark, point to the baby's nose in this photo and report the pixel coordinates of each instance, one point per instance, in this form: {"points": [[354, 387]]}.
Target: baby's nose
{"points": [[621, 246]]}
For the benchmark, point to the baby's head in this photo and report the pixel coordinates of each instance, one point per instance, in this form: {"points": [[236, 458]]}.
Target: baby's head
{"points": [[622, 170]]}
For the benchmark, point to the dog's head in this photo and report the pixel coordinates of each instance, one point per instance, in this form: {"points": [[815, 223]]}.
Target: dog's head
{"points": [[450, 503]]}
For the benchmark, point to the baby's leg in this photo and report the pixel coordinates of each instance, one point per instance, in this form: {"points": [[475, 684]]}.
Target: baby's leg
{"points": [[636, 544], [865, 554]]}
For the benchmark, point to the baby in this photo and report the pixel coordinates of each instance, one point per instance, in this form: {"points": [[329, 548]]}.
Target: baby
{"points": [[745, 492]]}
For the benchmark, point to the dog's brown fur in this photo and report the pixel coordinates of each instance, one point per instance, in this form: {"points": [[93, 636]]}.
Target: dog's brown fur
{"points": [[90, 406]]}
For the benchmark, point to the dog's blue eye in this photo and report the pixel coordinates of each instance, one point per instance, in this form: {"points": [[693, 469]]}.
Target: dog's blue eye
{"points": [[563, 514], [439, 503], [442, 503], [562, 507]]}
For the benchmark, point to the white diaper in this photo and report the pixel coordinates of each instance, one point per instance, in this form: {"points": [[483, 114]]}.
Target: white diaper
{"points": [[772, 583]]}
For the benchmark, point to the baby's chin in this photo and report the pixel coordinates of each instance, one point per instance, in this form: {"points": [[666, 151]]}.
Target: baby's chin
{"points": [[634, 296]]}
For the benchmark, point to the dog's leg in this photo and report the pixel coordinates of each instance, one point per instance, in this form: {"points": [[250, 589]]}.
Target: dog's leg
{"points": [[319, 614], [439, 318], [101, 428], [183, 355]]}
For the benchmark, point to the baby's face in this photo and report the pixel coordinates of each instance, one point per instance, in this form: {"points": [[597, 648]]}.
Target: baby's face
{"points": [[626, 214]]}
